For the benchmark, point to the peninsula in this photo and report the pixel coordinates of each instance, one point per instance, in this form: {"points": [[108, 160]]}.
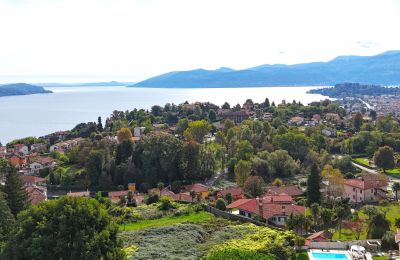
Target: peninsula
{"points": [[18, 89]]}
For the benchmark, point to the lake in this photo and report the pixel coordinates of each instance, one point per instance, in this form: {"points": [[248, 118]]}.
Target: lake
{"points": [[40, 114]]}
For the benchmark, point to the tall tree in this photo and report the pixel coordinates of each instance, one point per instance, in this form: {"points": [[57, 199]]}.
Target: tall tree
{"points": [[313, 186], [6, 219], [378, 226], [16, 195], [66, 228], [242, 172], [396, 189], [197, 130], [254, 186], [212, 115], [190, 163], [99, 124], [384, 158], [357, 121]]}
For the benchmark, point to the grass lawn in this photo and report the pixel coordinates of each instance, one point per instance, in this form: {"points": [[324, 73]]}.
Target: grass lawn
{"points": [[302, 256], [394, 171], [167, 221], [379, 258], [393, 212], [362, 161]]}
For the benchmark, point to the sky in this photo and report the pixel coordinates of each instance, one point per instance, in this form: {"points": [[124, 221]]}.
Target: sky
{"points": [[131, 40]]}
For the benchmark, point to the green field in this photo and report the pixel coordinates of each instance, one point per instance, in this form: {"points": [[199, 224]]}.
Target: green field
{"points": [[166, 221], [364, 161], [395, 171], [379, 258], [393, 212]]}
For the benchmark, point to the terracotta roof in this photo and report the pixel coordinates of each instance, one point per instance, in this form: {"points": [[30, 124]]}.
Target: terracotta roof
{"points": [[236, 191], [113, 194], [365, 184], [35, 195], [197, 187], [32, 179], [79, 194], [166, 192], [184, 196], [239, 203], [291, 190], [280, 198], [271, 210], [19, 145]]}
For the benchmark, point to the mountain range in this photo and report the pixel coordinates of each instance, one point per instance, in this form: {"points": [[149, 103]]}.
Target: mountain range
{"points": [[381, 69]]}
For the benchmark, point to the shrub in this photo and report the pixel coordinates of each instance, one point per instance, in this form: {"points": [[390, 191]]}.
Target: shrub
{"points": [[220, 204], [166, 203], [388, 241], [236, 254], [152, 198]]}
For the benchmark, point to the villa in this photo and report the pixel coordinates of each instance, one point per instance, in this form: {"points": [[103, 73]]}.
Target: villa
{"points": [[365, 189]]}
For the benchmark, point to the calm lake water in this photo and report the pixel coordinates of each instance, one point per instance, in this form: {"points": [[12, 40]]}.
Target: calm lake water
{"points": [[40, 114]]}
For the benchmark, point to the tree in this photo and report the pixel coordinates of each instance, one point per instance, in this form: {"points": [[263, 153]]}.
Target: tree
{"points": [[313, 186], [220, 204], [6, 219], [66, 228], [370, 211], [266, 103], [335, 179], [197, 130], [356, 226], [357, 121], [389, 241], [281, 164], [254, 186], [212, 115], [190, 160], [277, 182], [384, 158], [396, 188], [296, 144], [124, 134], [99, 124], [340, 214], [244, 150], [229, 198], [378, 226], [226, 106], [326, 217], [156, 110], [242, 172], [315, 212], [16, 195]]}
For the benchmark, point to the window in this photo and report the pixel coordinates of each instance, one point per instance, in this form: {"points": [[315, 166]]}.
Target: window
{"points": [[354, 189], [360, 191], [354, 197]]}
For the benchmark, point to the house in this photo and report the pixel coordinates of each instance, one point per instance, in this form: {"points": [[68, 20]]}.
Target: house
{"points": [[30, 181], [291, 190], [198, 188], [329, 132], [115, 196], [296, 120], [20, 148], [39, 147], [3, 150], [368, 188], [36, 195], [85, 194], [65, 146], [267, 117], [333, 118], [316, 118], [275, 209], [138, 131], [235, 116], [236, 192], [185, 197], [56, 136], [41, 163], [321, 236], [18, 160]]}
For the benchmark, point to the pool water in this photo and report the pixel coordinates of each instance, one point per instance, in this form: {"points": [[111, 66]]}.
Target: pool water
{"points": [[330, 256]]}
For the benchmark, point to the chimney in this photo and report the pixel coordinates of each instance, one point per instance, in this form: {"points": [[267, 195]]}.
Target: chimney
{"points": [[260, 205]]}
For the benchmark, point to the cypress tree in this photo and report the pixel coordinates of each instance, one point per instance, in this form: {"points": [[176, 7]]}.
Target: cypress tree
{"points": [[313, 186], [16, 195], [6, 218]]}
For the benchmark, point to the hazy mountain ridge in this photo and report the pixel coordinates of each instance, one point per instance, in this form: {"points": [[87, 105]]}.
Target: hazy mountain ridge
{"points": [[21, 89], [381, 69]]}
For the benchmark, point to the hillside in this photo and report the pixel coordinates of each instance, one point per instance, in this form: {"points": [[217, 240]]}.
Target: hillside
{"points": [[381, 69], [21, 89]]}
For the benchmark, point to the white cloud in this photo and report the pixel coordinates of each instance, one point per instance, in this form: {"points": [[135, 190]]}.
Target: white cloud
{"points": [[135, 39]]}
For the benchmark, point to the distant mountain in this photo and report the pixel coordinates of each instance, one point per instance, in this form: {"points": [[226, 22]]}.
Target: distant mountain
{"points": [[90, 84], [21, 89], [381, 69]]}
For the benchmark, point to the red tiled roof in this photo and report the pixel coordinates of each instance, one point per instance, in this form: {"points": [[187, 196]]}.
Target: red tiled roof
{"points": [[19, 145], [113, 194], [239, 203], [35, 195], [291, 190], [236, 191], [166, 192], [32, 179], [365, 184], [79, 194], [197, 187], [280, 198], [184, 196], [271, 210]]}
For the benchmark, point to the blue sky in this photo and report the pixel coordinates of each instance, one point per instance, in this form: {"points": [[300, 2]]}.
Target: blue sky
{"points": [[130, 40]]}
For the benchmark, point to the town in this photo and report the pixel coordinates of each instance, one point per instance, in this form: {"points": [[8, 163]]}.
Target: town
{"points": [[325, 171]]}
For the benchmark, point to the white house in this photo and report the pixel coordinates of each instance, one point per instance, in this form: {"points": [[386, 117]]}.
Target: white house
{"points": [[138, 131], [21, 148]]}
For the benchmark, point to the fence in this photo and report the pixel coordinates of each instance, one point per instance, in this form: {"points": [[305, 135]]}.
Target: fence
{"points": [[235, 217], [370, 245]]}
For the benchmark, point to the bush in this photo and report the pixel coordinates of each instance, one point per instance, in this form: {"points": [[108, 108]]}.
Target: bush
{"points": [[220, 204], [152, 198], [388, 241], [235, 254], [166, 203]]}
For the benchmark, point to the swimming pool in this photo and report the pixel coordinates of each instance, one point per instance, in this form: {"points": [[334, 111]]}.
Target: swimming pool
{"points": [[329, 256]]}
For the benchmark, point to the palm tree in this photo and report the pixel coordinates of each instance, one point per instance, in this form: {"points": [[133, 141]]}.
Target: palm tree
{"points": [[396, 188]]}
